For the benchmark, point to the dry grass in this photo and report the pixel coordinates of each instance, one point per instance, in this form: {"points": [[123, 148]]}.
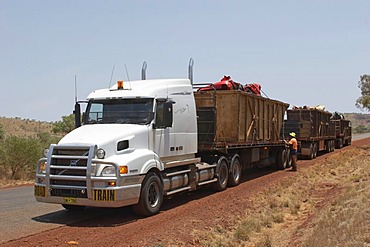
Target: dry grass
{"points": [[6, 183], [24, 127], [324, 205]]}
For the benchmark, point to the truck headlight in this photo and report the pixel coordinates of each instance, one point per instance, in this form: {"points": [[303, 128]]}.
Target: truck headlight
{"points": [[108, 171]]}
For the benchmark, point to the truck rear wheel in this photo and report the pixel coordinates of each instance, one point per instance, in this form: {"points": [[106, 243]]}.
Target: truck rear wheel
{"points": [[222, 173], [151, 196], [235, 171]]}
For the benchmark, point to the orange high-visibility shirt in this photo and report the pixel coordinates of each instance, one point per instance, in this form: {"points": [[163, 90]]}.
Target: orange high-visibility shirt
{"points": [[294, 143]]}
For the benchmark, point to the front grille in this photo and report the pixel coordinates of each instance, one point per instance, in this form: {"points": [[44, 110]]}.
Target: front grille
{"points": [[69, 168]]}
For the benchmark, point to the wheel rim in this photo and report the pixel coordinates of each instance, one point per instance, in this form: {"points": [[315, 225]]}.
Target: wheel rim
{"points": [[236, 170], [223, 174], [153, 194]]}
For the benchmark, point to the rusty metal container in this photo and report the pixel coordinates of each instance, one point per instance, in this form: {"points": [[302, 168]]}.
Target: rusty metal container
{"points": [[309, 123], [237, 119]]}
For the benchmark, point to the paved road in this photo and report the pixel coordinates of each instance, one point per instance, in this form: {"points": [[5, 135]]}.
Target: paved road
{"points": [[21, 215]]}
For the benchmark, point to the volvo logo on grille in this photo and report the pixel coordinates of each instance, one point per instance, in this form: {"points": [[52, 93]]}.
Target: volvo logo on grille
{"points": [[73, 162]]}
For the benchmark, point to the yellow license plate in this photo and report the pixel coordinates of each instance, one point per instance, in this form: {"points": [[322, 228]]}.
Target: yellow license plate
{"points": [[40, 191], [104, 195], [69, 200]]}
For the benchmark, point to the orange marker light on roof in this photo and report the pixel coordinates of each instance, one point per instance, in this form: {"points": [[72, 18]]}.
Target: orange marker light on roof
{"points": [[120, 84]]}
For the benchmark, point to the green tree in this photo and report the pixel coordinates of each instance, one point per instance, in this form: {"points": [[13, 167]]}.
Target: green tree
{"points": [[64, 126], [363, 102], [19, 156]]}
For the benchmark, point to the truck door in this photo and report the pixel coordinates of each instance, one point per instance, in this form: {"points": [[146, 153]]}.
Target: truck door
{"points": [[164, 138]]}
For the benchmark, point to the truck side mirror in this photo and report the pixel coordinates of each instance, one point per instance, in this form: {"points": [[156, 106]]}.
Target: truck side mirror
{"points": [[77, 113]]}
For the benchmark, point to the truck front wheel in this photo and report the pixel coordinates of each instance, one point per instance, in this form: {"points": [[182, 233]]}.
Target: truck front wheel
{"points": [[151, 197]]}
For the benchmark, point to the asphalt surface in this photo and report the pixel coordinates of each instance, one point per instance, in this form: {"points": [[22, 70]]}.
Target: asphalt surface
{"points": [[21, 215]]}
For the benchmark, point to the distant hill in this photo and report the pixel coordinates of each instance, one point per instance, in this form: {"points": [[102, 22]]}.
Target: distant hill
{"points": [[360, 122], [24, 127]]}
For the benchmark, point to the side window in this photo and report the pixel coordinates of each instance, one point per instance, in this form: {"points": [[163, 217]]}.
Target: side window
{"points": [[159, 118], [164, 114]]}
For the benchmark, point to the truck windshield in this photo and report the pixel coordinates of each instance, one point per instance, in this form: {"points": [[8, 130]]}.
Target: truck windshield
{"points": [[124, 111]]}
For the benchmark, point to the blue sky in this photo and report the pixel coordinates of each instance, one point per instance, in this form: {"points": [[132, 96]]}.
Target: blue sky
{"points": [[301, 52]]}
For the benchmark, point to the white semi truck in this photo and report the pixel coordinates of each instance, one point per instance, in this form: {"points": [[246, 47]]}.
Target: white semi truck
{"points": [[141, 141]]}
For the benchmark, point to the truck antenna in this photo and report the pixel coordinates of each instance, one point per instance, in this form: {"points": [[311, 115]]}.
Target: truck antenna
{"points": [[75, 88], [190, 70], [111, 76], [128, 78], [143, 71]]}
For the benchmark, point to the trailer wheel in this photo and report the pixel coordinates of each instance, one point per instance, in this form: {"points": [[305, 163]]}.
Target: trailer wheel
{"points": [[339, 144], [281, 159], [73, 207], [151, 196], [235, 171], [288, 159], [332, 145], [222, 174], [311, 156], [314, 150]]}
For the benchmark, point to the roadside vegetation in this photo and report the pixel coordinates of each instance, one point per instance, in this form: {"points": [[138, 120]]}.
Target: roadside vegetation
{"points": [[323, 205], [22, 142]]}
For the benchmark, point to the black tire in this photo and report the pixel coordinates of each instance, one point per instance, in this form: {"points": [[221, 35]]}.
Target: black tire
{"points": [[315, 150], [328, 147], [288, 159], [281, 159], [332, 145], [311, 156], [349, 141], [235, 171], [73, 207], [340, 144], [151, 196], [222, 173]]}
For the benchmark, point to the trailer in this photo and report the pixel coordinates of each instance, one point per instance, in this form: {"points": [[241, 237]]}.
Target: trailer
{"points": [[240, 124], [313, 128], [343, 132]]}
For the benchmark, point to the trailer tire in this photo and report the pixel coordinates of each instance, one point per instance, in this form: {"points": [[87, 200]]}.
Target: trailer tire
{"points": [[151, 196], [281, 159], [314, 150], [235, 171], [288, 159], [73, 207], [311, 155], [340, 144], [332, 145], [222, 173]]}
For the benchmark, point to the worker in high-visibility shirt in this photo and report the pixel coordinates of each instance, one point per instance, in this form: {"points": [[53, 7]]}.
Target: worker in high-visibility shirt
{"points": [[293, 150]]}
